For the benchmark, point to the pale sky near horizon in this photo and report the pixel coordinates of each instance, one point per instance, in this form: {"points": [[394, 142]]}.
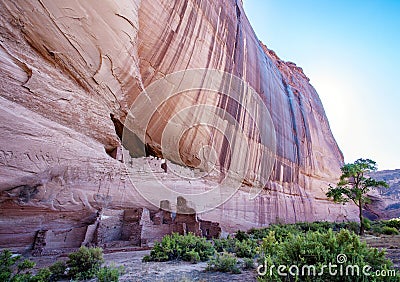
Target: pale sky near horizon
{"points": [[350, 50]]}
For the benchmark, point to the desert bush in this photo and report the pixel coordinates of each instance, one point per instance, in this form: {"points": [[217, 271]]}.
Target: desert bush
{"points": [[367, 223], [394, 222], [352, 226], [258, 233], [58, 270], [320, 226], [191, 256], [85, 262], [318, 249], [11, 269], [245, 248], [241, 236], [224, 245], [248, 263], [43, 275], [147, 258], [109, 273], [389, 227], [281, 231], [377, 229], [7, 261], [387, 230], [14, 269], [348, 225], [224, 263], [181, 247]]}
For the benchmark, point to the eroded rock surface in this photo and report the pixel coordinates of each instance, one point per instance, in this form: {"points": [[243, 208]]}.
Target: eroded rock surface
{"points": [[70, 70], [385, 202]]}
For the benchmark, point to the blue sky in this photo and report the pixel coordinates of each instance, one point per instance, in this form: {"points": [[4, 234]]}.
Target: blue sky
{"points": [[350, 50]]}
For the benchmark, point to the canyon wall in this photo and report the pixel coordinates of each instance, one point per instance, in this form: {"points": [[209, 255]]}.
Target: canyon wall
{"points": [[385, 202], [70, 73]]}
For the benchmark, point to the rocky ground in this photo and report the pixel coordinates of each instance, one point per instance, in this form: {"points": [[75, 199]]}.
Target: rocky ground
{"points": [[390, 243]]}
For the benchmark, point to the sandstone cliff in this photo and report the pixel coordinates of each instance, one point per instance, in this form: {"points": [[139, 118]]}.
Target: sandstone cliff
{"points": [[385, 202], [71, 70]]}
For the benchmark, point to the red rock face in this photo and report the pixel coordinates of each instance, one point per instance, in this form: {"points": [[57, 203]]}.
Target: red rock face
{"points": [[70, 73]]}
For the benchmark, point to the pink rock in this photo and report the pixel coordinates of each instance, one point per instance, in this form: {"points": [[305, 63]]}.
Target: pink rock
{"points": [[70, 72]]}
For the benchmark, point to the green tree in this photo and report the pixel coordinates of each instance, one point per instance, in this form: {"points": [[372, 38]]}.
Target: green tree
{"points": [[354, 185]]}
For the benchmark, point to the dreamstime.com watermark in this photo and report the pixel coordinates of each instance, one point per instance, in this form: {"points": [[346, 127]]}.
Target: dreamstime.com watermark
{"points": [[340, 268]]}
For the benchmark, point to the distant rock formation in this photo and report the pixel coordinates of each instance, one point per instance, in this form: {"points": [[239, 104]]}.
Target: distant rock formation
{"points": [[69, 73], [385, 202]]}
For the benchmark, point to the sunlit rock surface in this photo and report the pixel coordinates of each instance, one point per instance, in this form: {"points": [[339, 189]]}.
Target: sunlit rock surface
{"points": [[385, 202], [70, 70]]}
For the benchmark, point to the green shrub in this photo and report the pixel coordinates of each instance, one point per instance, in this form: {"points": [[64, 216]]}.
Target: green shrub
{"points": [[318, 249], [241, 236], [57, 270], [181, 247], [280, 230], [389, 230], [224, 245], [162, 251], [11, 270], [7, 261], [224, 263], [43, 275], [258, 233], [245, 248], [394, 222], [109, 273], [367, 223], [25, 264], [85, 263], [248, 263], [376, 228], [352, 226], [146, 258], [191, 256], [321, 226], [389, 227]]}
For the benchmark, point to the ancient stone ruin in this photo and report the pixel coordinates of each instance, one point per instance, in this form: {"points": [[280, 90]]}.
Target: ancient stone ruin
{"points": [[123, 229]]}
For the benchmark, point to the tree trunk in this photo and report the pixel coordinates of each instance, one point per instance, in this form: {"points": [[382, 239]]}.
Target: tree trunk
{"points": [[361, 218]]}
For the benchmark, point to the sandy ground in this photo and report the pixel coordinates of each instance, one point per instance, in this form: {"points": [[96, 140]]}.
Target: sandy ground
{"points": [[172, 271], [136, 270]]}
